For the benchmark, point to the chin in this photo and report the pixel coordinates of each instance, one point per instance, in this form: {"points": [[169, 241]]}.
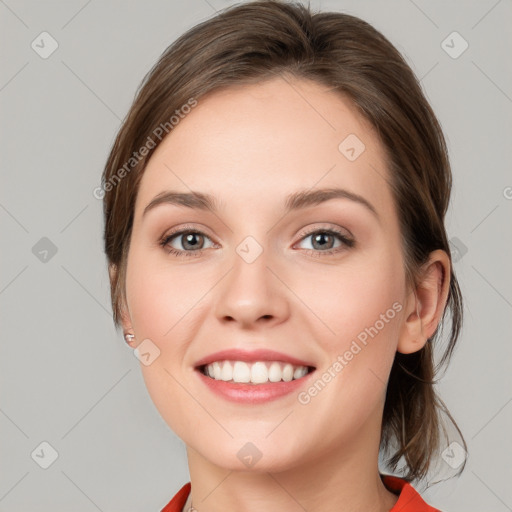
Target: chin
{"points": [[252, 456]]}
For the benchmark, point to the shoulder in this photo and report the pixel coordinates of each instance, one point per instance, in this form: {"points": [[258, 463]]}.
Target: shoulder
{"points": [[179, 499], [409, 499]]}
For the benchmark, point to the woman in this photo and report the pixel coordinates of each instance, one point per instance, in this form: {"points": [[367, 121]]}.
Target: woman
{"points": [[274, 226]]}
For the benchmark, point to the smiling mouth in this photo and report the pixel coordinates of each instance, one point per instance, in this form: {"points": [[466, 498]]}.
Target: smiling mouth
{"points": [[257, 372]]}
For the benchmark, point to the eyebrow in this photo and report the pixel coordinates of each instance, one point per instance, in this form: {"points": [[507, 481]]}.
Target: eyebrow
{"points": [[296, 201]]}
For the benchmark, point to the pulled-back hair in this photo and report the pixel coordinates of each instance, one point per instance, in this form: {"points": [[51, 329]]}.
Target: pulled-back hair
{"points": [[256, 41]]}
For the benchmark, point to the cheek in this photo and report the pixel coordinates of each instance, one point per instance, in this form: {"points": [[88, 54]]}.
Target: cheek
{"points": [[349, 298], [160, 295], [160, 303], [360, 307]]}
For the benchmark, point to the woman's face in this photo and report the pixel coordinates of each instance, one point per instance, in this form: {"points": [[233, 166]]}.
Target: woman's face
{"points": [[255, 274]]}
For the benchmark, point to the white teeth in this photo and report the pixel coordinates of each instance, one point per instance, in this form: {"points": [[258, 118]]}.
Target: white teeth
{"points": [[275, 374], [299, 372], [241, 372], [259, 373], [255, 373], [217, 371], [227, 371], [288, 373]]}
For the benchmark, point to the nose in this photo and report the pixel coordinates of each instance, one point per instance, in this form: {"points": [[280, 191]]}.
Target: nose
{"points": [[251, 295]]}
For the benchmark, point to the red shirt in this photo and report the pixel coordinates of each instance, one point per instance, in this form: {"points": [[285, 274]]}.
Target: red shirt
{"points": [[408, 498]]}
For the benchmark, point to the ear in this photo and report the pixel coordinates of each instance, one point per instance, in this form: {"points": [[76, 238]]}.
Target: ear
{"points": [[125, 318], [425, 305]]}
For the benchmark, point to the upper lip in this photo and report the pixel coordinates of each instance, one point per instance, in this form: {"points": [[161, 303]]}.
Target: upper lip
{"points": [[251, 356]]}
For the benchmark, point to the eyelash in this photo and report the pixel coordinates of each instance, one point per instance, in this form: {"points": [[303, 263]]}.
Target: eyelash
{"points": [[346, 241]]}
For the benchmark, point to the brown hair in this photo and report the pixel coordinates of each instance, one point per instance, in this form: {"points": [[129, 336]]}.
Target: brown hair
{"points": [[259, 40]]}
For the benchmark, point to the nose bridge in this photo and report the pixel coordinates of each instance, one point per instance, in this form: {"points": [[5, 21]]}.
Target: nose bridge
{"points": [[250, 291]]}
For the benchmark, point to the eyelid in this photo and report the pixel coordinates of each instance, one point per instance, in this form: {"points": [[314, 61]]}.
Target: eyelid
{"points": [[347, 241], [327, 227], [187, 227], [306, 231]]}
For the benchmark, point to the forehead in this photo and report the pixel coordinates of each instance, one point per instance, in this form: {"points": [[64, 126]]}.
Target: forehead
{"points": [[254, 144]]}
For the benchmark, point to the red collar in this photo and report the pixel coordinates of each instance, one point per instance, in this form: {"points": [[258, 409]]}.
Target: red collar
{"points": [[409, 500]]}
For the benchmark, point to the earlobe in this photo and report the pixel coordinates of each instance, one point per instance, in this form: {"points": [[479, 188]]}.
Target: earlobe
{"points": [[124, 312], [126, 323], [426, 303]]}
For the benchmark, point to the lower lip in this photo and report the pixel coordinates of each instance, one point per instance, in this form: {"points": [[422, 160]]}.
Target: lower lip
{"points": [[252, 393]]}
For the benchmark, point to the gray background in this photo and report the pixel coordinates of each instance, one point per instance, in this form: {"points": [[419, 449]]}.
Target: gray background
{"points": [[67, 376]]}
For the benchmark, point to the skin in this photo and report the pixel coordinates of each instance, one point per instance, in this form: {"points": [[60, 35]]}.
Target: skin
{"points": [[250, 146]]}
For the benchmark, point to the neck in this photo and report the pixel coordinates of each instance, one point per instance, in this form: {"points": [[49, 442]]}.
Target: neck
{"points": [[343, 480]]}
